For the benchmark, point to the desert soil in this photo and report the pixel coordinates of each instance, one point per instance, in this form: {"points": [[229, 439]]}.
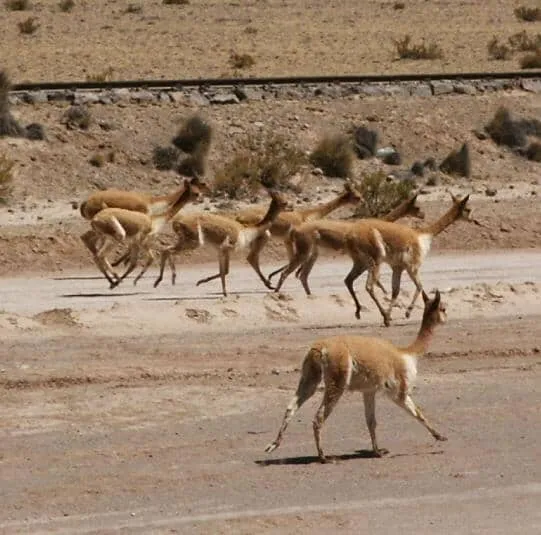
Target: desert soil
{"points": [[147, 410]]}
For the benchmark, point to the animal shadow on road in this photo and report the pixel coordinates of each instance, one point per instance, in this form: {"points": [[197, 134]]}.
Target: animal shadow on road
{"points": [[313, 459], [359, 454], [100, 294]]}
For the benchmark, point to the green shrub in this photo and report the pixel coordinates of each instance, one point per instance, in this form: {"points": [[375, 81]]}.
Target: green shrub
{"points": [[269, 162], [334, 155], [381, 195], [408, 50]]}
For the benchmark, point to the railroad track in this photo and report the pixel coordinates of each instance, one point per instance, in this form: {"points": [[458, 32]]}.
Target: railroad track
{"points": [[276, 81]]}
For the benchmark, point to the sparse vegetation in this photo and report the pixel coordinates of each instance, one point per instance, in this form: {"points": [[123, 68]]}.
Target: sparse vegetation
{"points": [[28, 26], [334, 155], [498, 50], [195, 164], [399, 5], [102, 76], [17, 5], [165, 158], [77, 116], [193, 132], [503, 130], [134, 8], [364, 141], [176, 2], [406, 49], [66, 5], [9, 126], [458, 162], [35, 132], [533, 152], [241, 61], [531, 61], [381, 195], [6, 176], [97, 160], [270, 162], [528, 14], [525, 43]]}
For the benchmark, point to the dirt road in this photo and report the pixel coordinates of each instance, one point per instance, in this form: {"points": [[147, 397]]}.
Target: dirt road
{"points": [[147, 411]]}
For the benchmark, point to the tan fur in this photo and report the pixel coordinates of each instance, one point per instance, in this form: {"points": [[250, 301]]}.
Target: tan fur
{"points": [[128, 200], [224, 234], [365, 364], [306, 240], [119, 225], [372, 242]]}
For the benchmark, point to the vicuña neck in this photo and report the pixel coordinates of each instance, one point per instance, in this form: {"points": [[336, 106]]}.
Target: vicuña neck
{"points": [[182, 199], [396, 213], [271, 215], [419, 346], [442, 223], [322, 210]]}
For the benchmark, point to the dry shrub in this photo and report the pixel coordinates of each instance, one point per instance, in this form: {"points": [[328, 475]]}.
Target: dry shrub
{"points": [[134, 8], [34, 132], [408, 50], [17, 5], [176, 2], [497, 50], [334, 155], [77, 116], [399, 5], [458, 162], [165, 158], [528, 14], [28, 26], [533, 152], [241, 61], [103, 76], [97, 160], [66, 5], [194, 132], [381, 195], [9, 126], [365, 141], [6, 176], [194, 165], [504, 130], [270, 162], [525, 43], [531, 61]]}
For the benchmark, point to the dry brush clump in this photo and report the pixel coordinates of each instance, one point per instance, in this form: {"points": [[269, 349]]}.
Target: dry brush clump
{"points": [[458, 162], [381, 195], [241, 61], [6, 177], [77, 116], [531, 61], [9, 126], [28, 26], [406, 49], [176, 2], [17, 5], [66, 5], [498, 50], [528, 14], [334, 155], [269, 161]]}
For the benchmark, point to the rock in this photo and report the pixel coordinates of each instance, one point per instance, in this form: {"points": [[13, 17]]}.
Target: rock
{"points": [[399, 90], [533, 86], [247, 93], [504, 227], [224, 98], [177, 96], [372, 90], [86, 98], [465, 89], [393, 158], [421, 90], [163, 96], [36, 97], [491, 192], [142, 95], [120, 94], [441, 87], [198, 99]]}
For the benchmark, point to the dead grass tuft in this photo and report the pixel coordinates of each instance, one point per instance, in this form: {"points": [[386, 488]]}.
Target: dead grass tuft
{"points": [[334, 155], [17, 5], [6, 177], [102, 76], [497, 50], [66, 5], [523, 42], [28, 26], [381, 195], [531, 61], [406, 49], [241, 61], [77, 116], [269, 162], [528, 14], [504, 130]]}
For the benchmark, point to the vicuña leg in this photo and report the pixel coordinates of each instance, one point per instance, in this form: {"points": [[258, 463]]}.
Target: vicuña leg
{"points": [[306, 268], [333, 393], [370, 415], [101, 261], [373, 276], [413, 272], [253, 258], [150, 260], [310, 378], [223, 262], [359, 267]]}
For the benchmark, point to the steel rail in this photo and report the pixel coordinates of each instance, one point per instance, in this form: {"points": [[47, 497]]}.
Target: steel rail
{"points": [[283, 80]]}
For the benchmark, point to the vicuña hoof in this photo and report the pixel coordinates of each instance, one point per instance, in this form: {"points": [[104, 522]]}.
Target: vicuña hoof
{"points": [[380, 452], [439, 437], [271, 447]]}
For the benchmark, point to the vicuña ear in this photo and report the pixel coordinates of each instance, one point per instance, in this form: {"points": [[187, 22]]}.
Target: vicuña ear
{"points": [[464, 200], [425, 297], [437, 299]]}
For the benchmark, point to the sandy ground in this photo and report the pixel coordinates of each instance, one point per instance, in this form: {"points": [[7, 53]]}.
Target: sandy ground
{"points": [[147, 411], [282, 37]]}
